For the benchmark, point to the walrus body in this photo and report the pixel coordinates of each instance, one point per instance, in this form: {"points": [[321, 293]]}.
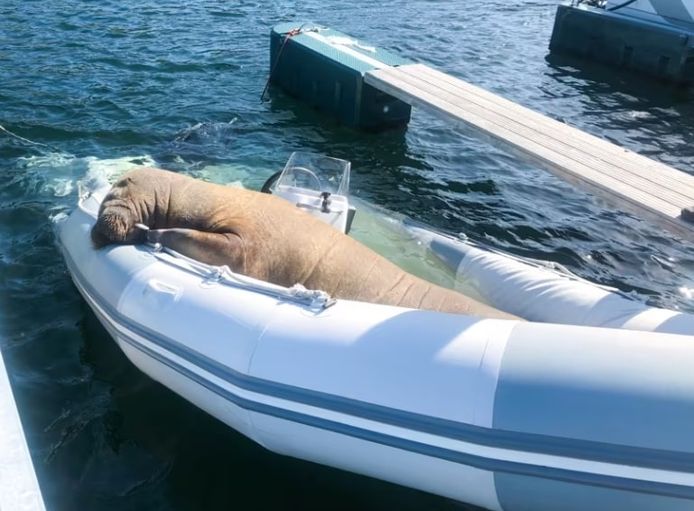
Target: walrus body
{"points": [[264, 237]]}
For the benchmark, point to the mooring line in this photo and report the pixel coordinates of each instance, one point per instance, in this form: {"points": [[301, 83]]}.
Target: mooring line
{"points": [[26, 140]]}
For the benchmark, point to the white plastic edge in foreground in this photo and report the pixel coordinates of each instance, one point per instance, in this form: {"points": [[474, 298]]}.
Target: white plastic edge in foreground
{"points": [[19, 489]]}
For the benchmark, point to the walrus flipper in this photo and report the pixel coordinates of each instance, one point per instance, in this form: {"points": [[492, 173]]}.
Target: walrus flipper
{"points": [[207, 247]]}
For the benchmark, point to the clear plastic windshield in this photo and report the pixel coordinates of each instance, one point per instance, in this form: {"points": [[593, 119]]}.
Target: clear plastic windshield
{"points": [[310, 172], [319, 185]]}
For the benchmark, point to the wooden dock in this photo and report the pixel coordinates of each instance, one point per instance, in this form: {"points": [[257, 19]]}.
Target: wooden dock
{"points": [[629, 181], [19, 489]]}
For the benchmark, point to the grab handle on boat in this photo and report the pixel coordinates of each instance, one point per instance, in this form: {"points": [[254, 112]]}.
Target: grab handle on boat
{"points": [[160, 294], [162, 287]]}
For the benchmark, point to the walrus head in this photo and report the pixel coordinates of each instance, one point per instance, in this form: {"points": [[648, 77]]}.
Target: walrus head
{"points": [[121, 210]]}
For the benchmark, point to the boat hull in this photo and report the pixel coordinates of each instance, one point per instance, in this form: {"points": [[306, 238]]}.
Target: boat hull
{"points": [[500, 414], [664, 50]]}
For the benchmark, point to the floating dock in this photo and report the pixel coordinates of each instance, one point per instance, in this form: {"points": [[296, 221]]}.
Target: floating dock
{"points": [[345, 74], [19, 489]]}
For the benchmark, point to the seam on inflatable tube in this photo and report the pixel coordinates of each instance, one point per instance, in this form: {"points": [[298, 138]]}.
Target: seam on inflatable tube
{"points": [[498, 363], [256, 436]]}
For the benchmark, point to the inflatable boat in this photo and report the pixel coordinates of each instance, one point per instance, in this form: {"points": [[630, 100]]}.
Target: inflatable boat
{"points": [[506, 415]]}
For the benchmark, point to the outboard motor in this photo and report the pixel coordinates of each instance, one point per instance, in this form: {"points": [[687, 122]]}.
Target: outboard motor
{"points": [[318, 184]]}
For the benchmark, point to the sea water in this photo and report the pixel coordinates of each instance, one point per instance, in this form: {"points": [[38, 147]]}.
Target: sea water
{"points": [[91, 89]]}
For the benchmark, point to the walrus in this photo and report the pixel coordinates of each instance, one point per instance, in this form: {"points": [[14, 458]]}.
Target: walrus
{"points": [[265, 237]]}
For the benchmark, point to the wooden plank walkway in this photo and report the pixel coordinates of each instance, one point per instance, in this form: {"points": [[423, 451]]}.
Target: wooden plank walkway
{"points": [[19, 490], [628, 180]]}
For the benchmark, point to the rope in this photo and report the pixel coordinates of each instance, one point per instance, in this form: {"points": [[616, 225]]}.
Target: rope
{"points": [[594, 3], [25, 140], [287, 37], [601, 4], [314, 298]]}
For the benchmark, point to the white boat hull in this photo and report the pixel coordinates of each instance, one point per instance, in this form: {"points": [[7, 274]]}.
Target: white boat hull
{"points": [[501, 414], [657, 11]]}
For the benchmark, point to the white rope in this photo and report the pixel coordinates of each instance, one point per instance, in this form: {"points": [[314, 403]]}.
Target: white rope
{"points": [[314, 298], [25, 140]]}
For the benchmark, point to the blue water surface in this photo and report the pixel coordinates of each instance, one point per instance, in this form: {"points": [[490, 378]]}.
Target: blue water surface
{"points": [[178, 83]]}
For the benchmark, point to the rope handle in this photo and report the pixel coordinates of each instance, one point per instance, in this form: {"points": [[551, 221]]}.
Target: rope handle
{"points": [[314, 298], [287, 37]]}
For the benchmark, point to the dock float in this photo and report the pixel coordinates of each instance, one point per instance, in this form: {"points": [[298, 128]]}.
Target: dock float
{"points": [[350, 78], [19, 489]]}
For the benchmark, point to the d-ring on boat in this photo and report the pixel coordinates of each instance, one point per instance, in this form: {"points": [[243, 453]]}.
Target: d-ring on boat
{"points": [[507, 415]]}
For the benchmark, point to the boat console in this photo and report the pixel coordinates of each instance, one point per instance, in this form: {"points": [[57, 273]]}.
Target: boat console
{"points": [[318, 184]]}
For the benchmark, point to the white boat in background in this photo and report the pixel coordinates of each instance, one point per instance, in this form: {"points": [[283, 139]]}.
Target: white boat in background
{"points": [[507, 415], [655, 37], [665, 12]]}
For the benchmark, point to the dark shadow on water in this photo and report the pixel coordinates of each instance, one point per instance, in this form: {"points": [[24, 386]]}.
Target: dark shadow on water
{"points": [[595, 77]]}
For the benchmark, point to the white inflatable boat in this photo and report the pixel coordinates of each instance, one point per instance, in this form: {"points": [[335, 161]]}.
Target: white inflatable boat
{"points": [[507, 415]]}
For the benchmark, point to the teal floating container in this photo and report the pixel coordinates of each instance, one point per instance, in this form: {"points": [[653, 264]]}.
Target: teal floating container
{"points": [[325, 68]]}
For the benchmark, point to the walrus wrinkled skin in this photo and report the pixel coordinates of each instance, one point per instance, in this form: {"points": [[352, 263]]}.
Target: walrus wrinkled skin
{"points": [[264, 237]]}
